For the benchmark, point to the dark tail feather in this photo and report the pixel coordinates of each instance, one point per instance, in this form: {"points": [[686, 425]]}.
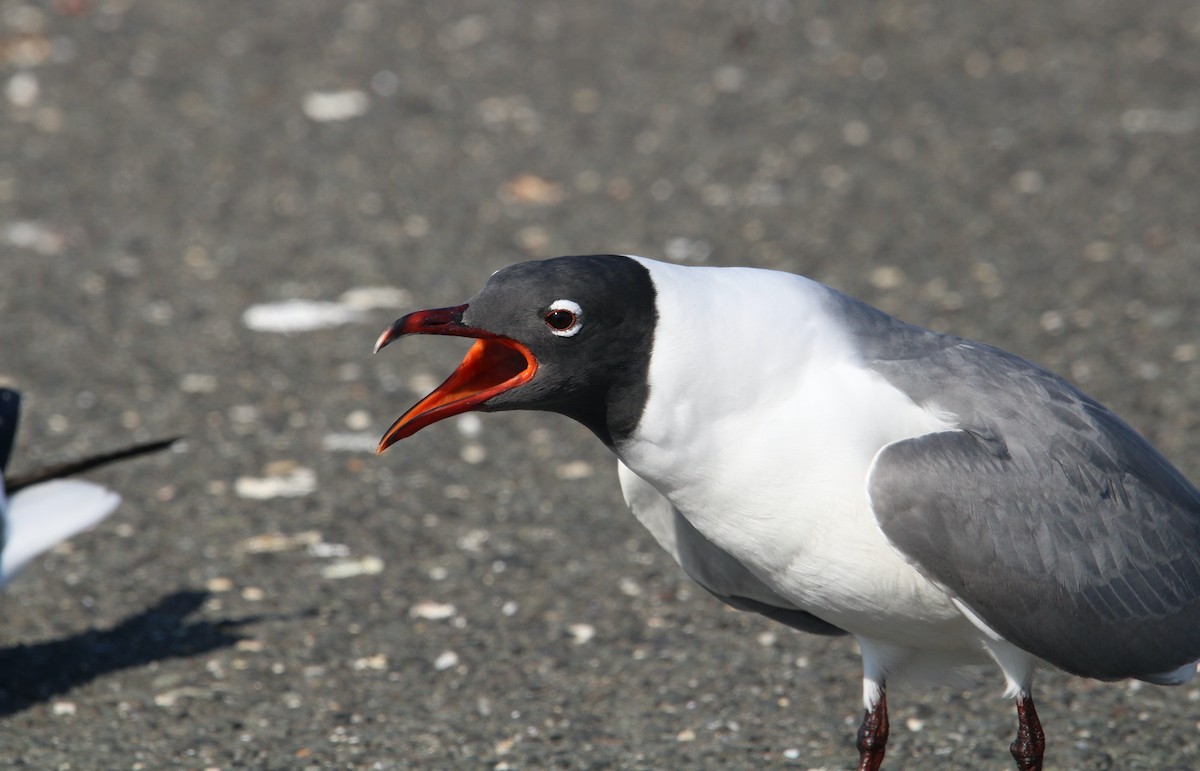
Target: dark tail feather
{"points": [[14, 483]]}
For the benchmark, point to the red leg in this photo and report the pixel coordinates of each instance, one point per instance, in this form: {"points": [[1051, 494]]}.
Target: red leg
{"points": [[1029, 746], [873, 735]]}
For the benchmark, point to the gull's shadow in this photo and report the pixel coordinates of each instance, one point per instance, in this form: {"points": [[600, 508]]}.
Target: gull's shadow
{"points": [[30, 674]]}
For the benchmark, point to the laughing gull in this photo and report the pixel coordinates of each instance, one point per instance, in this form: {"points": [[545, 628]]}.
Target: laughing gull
{"points": [[806, 456], [40, 509]]}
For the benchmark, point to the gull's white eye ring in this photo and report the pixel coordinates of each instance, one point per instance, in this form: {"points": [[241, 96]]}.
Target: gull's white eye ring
{"points": [[565, 318]]}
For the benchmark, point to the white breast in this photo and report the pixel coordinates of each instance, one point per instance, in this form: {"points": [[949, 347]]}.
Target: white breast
{"points": [[760, 428]]}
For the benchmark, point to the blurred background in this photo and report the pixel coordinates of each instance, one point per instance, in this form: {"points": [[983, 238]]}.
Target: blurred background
{"points": [[208, 211]]}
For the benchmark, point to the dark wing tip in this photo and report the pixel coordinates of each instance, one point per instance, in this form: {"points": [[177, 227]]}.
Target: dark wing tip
{"points": [[88, 463], [10, 411]]}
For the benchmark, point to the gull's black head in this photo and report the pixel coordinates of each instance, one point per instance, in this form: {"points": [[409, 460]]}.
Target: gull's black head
{"points": [[571, 335]]}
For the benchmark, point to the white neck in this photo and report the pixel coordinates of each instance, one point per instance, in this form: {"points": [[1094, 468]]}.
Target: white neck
{"points": [[745, 359], [729, 341]]}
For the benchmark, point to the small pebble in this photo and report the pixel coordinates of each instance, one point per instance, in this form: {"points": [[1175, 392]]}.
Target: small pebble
{"points": [[197, 383], [1028, 182], [629, 587], [422, 383], [729, 79], [328, 550], [887, 277], [364, 441], [575, 469], [369, 298], [42, 239], [329, 106], [473, 540], [581, 633], [432, 611], [22, 89], [1099, 251], [1052, 322], [291, 316], [358, 420], [445, 660], [1185, 352], [277, 542], [473, 453], [218, 585], [856, 133], [532, 189], [456, 492], [367, 566], [534, 239], [298, 482], [171, 698], [585, 101], [469, 425], [377, 662]]}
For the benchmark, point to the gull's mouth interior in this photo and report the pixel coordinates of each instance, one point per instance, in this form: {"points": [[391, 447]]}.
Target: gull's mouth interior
{"points": [[484, 372], [492, 366]]}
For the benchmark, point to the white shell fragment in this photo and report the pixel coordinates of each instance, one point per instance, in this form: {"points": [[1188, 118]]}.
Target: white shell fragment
{"points": [[350, 442], [369, 298], [297, 482], [300, 315], [432, 611], [367, 566], [291, 316], [328, 106], [581, 633], [445, 660]]}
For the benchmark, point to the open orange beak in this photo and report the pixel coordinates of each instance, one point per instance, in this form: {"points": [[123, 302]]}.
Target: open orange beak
{"points": [[493, 365]]}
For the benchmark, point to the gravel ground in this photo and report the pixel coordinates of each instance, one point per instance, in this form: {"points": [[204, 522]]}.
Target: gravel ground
{"points": [[271, 595]]}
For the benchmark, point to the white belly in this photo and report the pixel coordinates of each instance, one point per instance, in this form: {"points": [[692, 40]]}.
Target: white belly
{"points": [[788, 501]]}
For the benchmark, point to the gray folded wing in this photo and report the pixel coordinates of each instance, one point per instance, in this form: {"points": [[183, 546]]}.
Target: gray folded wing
{"points": [[1053, 520]]}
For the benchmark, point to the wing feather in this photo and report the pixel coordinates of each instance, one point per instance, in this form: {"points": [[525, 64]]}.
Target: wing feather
{"points": [[1078, 542]]}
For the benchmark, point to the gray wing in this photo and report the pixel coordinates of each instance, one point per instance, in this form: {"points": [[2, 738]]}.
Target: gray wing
{"points": [[714, 569], [1053, 520]]}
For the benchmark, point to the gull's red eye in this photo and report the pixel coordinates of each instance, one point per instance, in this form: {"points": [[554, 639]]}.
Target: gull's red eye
{"points": [[560, 319], [565, 318]]}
